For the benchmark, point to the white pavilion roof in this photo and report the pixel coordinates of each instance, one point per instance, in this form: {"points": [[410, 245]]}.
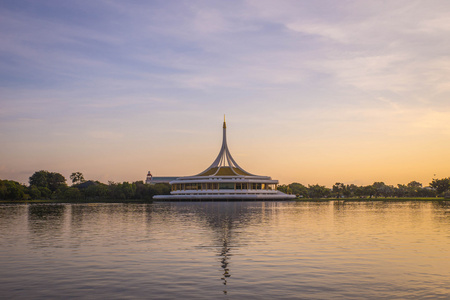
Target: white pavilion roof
{"points": [[224, 164]]}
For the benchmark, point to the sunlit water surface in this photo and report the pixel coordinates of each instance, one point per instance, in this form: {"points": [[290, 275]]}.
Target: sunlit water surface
{"points": [[237, 250]]}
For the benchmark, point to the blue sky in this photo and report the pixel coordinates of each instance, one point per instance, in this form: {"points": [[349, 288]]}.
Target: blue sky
{"points": [[314, 91]]}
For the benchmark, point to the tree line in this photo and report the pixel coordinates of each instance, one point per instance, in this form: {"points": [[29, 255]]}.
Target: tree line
{"points": [[414, 189], [52, 185]]}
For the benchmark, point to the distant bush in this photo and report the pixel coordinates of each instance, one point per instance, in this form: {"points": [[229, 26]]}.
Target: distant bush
{"points": [[12, 190]]}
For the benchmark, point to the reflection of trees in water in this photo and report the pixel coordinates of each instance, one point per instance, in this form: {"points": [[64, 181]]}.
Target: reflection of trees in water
{"points": [[45, 223], [378, 212], [83, 213], [441, 212], [441, 204], [13, 226], [100, 213], [115, 221], [12, 214], [46, 212]]}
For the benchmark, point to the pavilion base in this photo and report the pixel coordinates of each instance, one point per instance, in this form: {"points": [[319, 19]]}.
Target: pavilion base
{"points": [[225, 197]]}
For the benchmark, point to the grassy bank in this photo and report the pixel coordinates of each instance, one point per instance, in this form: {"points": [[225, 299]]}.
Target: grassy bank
{"points": [[388, 199], [76, 201]]}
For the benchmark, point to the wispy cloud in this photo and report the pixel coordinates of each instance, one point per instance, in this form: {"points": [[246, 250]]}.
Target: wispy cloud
{"points": [[107, 135]]}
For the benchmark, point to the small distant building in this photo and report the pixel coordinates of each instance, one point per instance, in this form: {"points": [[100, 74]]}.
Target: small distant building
{"points": [[148, 180], [159, 179]]}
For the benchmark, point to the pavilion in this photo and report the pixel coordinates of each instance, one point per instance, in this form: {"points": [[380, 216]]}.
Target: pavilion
{"points": [[224, 180]]}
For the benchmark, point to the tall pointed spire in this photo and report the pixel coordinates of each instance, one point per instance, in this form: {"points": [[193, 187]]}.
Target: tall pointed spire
{"points": [[224, 164], [224, 180]]}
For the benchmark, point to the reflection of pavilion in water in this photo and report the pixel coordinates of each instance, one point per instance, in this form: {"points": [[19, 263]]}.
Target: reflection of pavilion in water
{"points": [[224, 258], [225, 218]]}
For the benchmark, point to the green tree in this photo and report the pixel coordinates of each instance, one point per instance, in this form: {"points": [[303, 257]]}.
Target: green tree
{"points": [[12, 190], [382, 190], [426, 192], [128, 189], [339, 190], [144, 191], [414, 184], [162, 189], [72, 193], [368, 190], [357, 191], [350, 190], [77, 177], [441, 185], [115, 191], [56, 181], [283, 188], [401, 190], [413, 188], [318, 191], [34, 192], [45, 192], [46, 179], [298, 189], [39, 179], [96, 190]]}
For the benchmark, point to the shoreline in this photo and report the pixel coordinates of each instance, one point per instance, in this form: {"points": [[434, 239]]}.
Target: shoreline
{"points": [[388, 199], [43, 201], [140, 201]]}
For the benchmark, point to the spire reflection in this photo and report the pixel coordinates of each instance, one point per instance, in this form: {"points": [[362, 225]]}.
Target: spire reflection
{"points": [[225, 257]]}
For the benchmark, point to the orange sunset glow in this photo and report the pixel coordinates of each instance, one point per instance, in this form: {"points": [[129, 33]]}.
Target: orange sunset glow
{"points": [[314, 93]]}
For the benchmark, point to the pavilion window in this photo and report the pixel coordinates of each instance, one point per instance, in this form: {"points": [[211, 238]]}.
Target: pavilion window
{"points": [[192, 186], [226, 186]]}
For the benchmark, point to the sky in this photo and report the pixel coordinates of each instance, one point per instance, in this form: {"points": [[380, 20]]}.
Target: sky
{"points": [[315, 92]]}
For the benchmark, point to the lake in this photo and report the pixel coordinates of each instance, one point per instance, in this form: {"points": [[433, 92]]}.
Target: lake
{"points": [[226, 250]]}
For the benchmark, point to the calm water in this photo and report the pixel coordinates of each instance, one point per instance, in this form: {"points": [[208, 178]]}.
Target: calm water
{"points": [[236, 250]]}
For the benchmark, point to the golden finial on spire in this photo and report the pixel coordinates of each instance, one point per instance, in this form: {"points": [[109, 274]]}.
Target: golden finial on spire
{"points": [[224, 123]]}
